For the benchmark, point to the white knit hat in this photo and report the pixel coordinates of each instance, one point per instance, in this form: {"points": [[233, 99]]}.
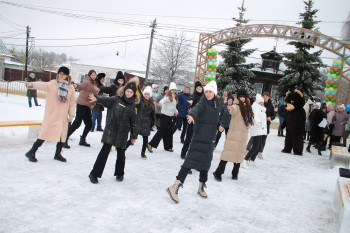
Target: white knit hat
{"points": [[341, 106], [172, 86], [318, 104], [211, 87], [148, 90], [154, 85], [259, 98]]}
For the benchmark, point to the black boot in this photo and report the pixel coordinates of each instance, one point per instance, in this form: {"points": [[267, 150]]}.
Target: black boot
{"points": [[279, 133], [65, 144], [308, 147], [319, 148], [282, 135], [217, 176], [143, 155], [58, 155], [83, 142], [31, 153]]}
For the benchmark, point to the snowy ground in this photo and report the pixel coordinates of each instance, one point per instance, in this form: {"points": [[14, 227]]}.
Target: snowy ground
{"points": [[285, 193]]}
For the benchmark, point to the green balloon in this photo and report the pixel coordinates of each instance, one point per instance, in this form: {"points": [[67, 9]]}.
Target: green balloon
{"points": [[326, 100], [335, 86], [331, 71], [328, 85], [333, 100]]}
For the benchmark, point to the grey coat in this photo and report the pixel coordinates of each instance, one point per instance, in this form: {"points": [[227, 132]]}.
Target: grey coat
{"points": [[206, 116], [120, 120], [339, 121], [30, 91]]}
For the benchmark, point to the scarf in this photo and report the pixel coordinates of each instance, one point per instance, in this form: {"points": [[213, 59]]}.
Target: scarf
{"points": [[62, 90]]}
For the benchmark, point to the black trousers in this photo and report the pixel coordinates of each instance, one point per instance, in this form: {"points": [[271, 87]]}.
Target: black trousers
{"points": [[203, 175], [254, 150], [188, 139], [164, 132], [181, 121], [101, 160], [144, 144], [83, 114], [222, 166], [218, 135]]}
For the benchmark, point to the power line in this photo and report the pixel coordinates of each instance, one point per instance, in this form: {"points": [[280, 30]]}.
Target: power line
{"points": [[10, 23], [81, 45], [166, 16], [194, 29], [83, 38]]}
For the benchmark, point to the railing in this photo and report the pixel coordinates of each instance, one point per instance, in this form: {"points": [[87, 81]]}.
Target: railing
{"points": [[17, 88]]}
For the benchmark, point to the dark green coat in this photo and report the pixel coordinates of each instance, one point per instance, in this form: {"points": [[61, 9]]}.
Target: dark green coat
{"points": [[31, 92]]}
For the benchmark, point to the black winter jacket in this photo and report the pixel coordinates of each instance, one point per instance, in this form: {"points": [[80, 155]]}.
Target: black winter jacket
{"points": [[111, 90], [270, 112], [225, 117], [120, 120], [145, 118], [206, 116]]}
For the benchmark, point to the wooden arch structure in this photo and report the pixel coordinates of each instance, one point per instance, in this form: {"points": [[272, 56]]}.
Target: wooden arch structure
{"points": [[206, 41]]}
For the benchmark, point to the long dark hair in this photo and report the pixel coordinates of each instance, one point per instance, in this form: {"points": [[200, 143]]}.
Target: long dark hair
{"points": [[149, 102], [246, 111]]}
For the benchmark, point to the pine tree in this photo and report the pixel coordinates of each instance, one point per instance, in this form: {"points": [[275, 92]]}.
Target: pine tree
{"points": [[233, 73], [303, 67]]}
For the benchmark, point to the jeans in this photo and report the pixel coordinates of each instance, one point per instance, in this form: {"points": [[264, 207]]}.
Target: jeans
{"points": [[30, 101], [96, 116]]}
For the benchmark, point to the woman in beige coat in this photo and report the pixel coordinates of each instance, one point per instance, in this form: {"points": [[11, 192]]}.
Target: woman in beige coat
{"points": [[59, 109], [236, 141]]}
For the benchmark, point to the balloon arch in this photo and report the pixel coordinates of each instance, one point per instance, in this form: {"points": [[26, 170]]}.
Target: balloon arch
{"points": [[338, 81]]}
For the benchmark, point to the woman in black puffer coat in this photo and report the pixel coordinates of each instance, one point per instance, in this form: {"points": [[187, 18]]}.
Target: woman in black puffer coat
{"points": [[205, 116], [120, 120]]}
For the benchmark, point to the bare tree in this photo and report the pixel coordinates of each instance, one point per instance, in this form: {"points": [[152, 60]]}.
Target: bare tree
{"points": [[346, 30], [43, 59], [173, 60]]}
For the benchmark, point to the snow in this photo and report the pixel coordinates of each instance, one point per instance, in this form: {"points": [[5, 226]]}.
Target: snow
{"points": [[285, 193]]}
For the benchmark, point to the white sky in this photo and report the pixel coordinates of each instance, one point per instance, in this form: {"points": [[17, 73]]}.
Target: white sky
{"points": [[197, 16]]}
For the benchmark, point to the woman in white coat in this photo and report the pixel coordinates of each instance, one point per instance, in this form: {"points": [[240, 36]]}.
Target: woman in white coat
{"points": [[258, 129]]}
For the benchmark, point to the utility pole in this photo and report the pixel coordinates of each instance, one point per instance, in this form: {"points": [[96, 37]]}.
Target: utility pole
{"points": [[153, 26], [26, 60]]}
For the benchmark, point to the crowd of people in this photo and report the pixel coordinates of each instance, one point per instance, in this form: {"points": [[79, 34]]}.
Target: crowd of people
{"points": [[201, 117]]}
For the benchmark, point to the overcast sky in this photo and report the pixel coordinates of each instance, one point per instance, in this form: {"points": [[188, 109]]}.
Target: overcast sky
{"points": [[128, 23]]}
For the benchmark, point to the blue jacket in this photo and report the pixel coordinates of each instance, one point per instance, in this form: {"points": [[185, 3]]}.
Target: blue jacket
{"points": [[183, 105]]}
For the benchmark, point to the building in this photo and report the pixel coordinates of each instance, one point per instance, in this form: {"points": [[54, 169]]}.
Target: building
{"points": [[109, 65], [268, 73]]}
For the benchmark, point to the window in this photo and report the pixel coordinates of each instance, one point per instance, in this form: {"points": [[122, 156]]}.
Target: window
{"points": [[274, 92], [258, 87]]}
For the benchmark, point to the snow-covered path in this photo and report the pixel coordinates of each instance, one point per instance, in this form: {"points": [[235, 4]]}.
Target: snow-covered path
{"points": [[285, 193]]}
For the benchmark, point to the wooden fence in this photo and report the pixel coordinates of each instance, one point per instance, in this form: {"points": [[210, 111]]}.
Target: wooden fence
{"points": [[18, 75]]}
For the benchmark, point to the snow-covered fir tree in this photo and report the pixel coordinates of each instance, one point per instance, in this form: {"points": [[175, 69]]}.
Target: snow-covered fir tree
{"points": [[233, 73], [302, 66]]}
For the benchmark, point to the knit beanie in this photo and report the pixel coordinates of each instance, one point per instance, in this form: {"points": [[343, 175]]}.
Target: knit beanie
{"points": [[259, 98], [131, 86], [64, 70], [148, 90], [242, 92], [211, 87]]}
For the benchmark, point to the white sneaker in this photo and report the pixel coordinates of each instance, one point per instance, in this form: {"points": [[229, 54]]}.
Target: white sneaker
{"points": [[260, 156], [252, 163], [244, 164]]}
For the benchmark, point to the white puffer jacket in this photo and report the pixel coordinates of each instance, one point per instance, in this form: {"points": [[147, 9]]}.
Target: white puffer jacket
{"points": [[259, 127]]}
